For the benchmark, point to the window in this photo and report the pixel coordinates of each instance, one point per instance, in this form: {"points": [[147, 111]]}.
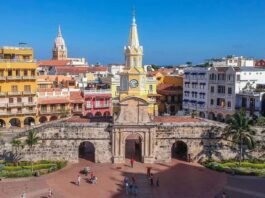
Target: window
{"points": [[1, 73], [229, 104], [53, 108], [17, 72], [32, 72], [150, 88], [9, 72], [19, 110], [229, 91], [30, 99], [221, 102], [62, 107], [27, 88], [19, 100], [238, 77], [44, 108], [212, 89], [14, 88], [212, 102], [11, 100], [221, 89], [25, 72]]}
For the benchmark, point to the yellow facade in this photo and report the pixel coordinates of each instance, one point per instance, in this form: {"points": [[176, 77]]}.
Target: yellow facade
{"points": [[17, 87]]}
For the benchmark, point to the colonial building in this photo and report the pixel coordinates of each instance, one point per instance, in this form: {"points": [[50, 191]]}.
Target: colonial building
{"points": [[17, 87], [195, 91], [59, 51]]}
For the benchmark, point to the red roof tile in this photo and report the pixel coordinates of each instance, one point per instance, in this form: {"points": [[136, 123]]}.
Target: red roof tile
{"points": [[175, 119], [53, 100], [76, 97], [56, 63], [71, 70], [169, 89]]}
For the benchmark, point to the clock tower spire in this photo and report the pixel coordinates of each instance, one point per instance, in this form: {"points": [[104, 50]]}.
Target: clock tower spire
{"points": [[133, 51]]}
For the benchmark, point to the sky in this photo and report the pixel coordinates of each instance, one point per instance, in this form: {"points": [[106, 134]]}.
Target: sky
{"points": [[171, 31]]}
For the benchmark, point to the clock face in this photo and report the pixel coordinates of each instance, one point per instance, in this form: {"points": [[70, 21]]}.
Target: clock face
{"points": [[134, 83]]}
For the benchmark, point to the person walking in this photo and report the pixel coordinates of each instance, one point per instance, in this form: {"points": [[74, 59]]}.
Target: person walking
{"points": [[151, 180], [132, 162], [50, 193], [78, 180], [157, 182], [23, 195], [133, 180], [127, 187]]}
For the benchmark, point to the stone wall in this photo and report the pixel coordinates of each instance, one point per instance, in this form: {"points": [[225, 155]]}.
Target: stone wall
{"points": [[61, 140]]}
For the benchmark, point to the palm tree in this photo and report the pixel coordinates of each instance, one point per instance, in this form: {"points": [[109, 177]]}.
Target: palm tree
{"points": [[240, 132], [16, 144], [31, 141]]}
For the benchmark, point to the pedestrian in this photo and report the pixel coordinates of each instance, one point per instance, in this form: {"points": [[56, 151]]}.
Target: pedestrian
{"points": [[50, 192], [151, 180], [133, 180], [78, 180], [223, 195], [132, 161], [135, 190], [148, 171], [127, 188], [23, 195], [157, 182], [126, 180]]}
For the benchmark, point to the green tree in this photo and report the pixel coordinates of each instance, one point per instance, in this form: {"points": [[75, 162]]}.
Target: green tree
{"points": [[31, 141], [16, 144], [240, 131]]}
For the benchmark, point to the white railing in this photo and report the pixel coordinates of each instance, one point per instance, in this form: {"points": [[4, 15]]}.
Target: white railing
{"points": [[17, 61], [29, 77], [101, 105], [18, 104], [3, 105], [14, 93], [2, 93], [29, 103], [28, 93], [14, 77], [2, 78], [97, 91]]}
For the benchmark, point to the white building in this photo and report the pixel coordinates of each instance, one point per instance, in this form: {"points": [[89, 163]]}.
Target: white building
{"points": [[115, 69], [195, 89], [233, 61]]}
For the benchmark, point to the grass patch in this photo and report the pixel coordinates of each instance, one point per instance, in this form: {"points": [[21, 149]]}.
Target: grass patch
{"points": [[233, 167], [23, 169]]}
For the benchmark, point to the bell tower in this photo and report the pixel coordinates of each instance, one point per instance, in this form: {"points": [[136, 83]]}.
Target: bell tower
{"points": [[59, 51]]}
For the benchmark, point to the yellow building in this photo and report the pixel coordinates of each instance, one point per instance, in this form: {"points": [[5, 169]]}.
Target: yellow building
{"points": [[17, 87], [134, 81]]}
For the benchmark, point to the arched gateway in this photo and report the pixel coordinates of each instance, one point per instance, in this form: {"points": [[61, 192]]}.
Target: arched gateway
{"points": [[87, 151], [133, 147], [179, 150]]}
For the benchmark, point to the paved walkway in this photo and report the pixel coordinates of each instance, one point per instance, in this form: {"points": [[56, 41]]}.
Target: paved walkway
{"points": [[178, 179]]}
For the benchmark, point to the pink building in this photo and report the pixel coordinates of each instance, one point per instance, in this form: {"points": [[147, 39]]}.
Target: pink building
{"points": [[97, 103]]}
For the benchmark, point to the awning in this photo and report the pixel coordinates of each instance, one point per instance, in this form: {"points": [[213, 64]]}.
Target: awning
{"points": [[193, 101], [200, 102], [186, 73], [193, 73], [201, 73], [185, 100]]}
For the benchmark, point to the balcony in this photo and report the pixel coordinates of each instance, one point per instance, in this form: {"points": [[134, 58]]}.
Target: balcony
{"points": [[97, 91], [77, 110], [14, 77], [2, 94], [27, 104], [17, 104], [26, 112], [17, 60], [14, 93], [89, 106], [3, 113], [27, 93], [3, 105], [29, 77], [102, 105], [2, 78]]}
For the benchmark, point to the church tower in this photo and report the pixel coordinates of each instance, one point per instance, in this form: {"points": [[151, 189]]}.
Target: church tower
{"points": [[137, 98], [59, 51]]}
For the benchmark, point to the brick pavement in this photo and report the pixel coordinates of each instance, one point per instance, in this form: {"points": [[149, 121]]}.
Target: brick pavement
{"points": [[178, 179]]}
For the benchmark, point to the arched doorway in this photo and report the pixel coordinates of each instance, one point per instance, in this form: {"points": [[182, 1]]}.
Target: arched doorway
{"points": [[29, 121], [133, 147], [179, 150], [202, 114], [89, 115], [43, 119], [15, 122], [211, 116], [2, 123], [98, 114], [53, 118], [106, 113], [87, 151]]}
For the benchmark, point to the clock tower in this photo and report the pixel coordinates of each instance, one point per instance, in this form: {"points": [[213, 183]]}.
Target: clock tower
{"points": [[133, 79], [137, 98]]}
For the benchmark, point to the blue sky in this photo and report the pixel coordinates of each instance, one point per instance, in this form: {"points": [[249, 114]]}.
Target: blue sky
{"points": [[171, 31]]}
